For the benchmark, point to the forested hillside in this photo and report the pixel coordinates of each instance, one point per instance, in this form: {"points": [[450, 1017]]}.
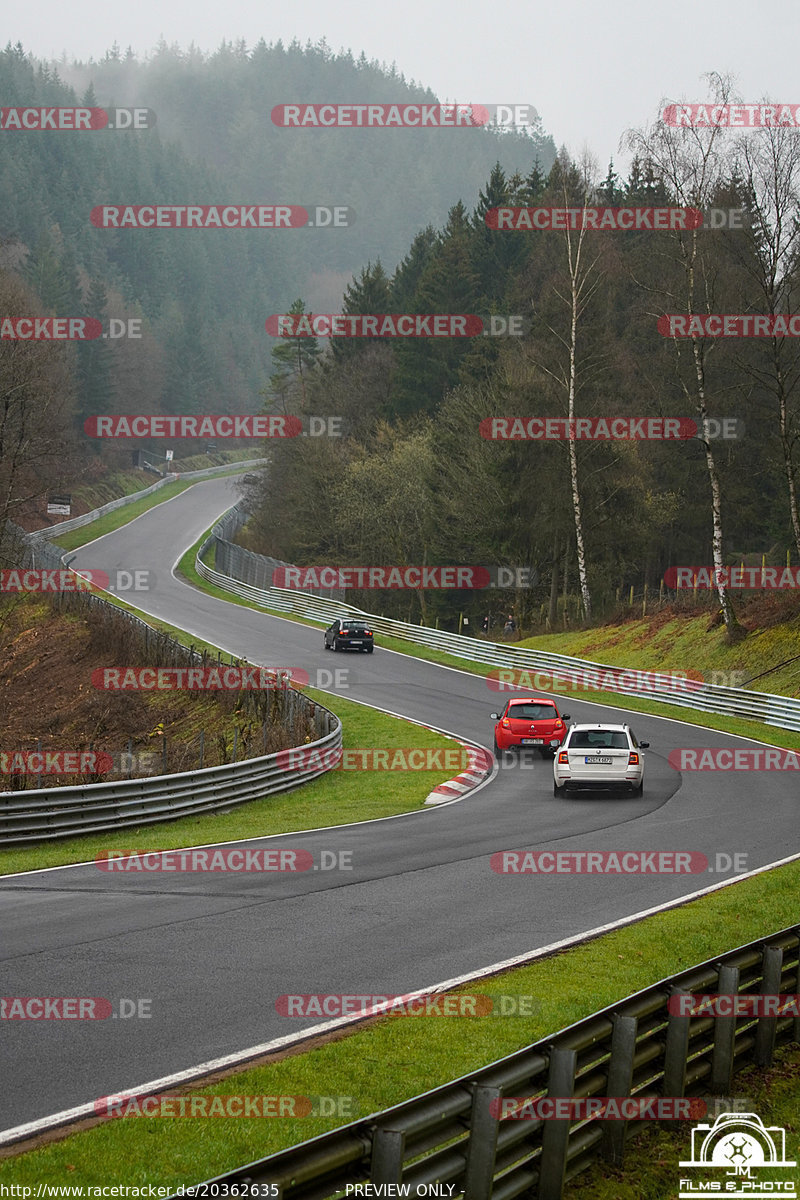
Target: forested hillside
{"points": [[203, 295]]}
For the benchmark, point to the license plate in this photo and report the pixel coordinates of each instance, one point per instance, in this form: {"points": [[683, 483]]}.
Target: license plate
{"points": [[602, 762], [354, 643], [532, 741]]}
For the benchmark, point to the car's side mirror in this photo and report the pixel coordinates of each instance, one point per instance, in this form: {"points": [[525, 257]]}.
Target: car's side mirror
{"points": [[495, 716], [555, 744], [565, 716], [644, 745]]}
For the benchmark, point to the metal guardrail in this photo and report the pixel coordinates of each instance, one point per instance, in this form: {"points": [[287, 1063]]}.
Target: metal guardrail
{"points": [[96, 807], [780, 711], [121, 501], [635, 1048]]}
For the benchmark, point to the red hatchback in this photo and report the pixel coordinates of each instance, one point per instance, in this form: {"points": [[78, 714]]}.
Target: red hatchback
{"points": [[529, 721]]}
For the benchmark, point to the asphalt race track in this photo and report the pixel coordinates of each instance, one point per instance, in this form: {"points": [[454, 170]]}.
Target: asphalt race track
{"points": [[420, 905]]}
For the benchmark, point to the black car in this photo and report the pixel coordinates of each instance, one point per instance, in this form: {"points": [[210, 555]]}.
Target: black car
{"points": [[349, 635]]}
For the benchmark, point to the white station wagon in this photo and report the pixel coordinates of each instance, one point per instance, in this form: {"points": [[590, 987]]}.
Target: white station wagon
{"points": [[599, 758]]}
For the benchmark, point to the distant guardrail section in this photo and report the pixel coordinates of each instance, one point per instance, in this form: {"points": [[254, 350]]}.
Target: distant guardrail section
{"points": [[121, 501], [780, 711]]}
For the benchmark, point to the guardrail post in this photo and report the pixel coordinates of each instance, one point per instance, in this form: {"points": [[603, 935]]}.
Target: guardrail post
{"points": [[676, 1052], [796, 1023], [772, 968], [620, 1082], [724, 1036], [388, 1146], [555, 1134], [484, 1126]]}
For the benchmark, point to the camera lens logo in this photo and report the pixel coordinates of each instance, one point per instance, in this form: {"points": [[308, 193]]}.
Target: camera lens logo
{"points": [[737, 1143]]}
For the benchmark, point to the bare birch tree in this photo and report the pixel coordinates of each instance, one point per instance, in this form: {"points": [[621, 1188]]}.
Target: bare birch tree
{"points": [[581, 280], [693, 164]]}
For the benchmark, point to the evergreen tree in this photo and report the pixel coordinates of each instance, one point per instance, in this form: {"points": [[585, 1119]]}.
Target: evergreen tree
{"points": [[295, 358]]}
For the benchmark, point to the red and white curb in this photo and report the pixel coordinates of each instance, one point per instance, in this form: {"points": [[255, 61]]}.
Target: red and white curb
{"points": [[480, 763]]}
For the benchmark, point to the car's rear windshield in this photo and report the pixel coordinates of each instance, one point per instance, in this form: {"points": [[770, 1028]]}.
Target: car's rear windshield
{"points": [[354, 625], [532, 712], [598, 739]]}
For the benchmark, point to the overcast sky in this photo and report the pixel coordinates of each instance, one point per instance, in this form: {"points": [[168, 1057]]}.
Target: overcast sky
{"points": [[590, 69]]}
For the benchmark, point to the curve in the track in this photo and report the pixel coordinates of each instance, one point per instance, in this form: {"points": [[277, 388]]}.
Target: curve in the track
{"points": [[421, 903]]}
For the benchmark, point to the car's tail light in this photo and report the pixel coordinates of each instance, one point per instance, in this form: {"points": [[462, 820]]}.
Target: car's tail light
{"points": [[633, 759], [564, 758], [559, 724], [506, 723]]}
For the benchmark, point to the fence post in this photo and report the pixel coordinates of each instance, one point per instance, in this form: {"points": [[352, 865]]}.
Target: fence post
{"points": [[39, 752], [387, 1156], [620, 1082], [164, 752], [675, 1054], [772, 959], [484, 1126], [724, 1035], [235, 742], [555, 1134], [202, 747]]}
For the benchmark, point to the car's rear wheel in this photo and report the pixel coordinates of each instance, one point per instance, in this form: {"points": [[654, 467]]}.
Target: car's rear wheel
{"points": [[498, 753], [370, 649], [558, 791], [325, 643], [639, 790]]}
